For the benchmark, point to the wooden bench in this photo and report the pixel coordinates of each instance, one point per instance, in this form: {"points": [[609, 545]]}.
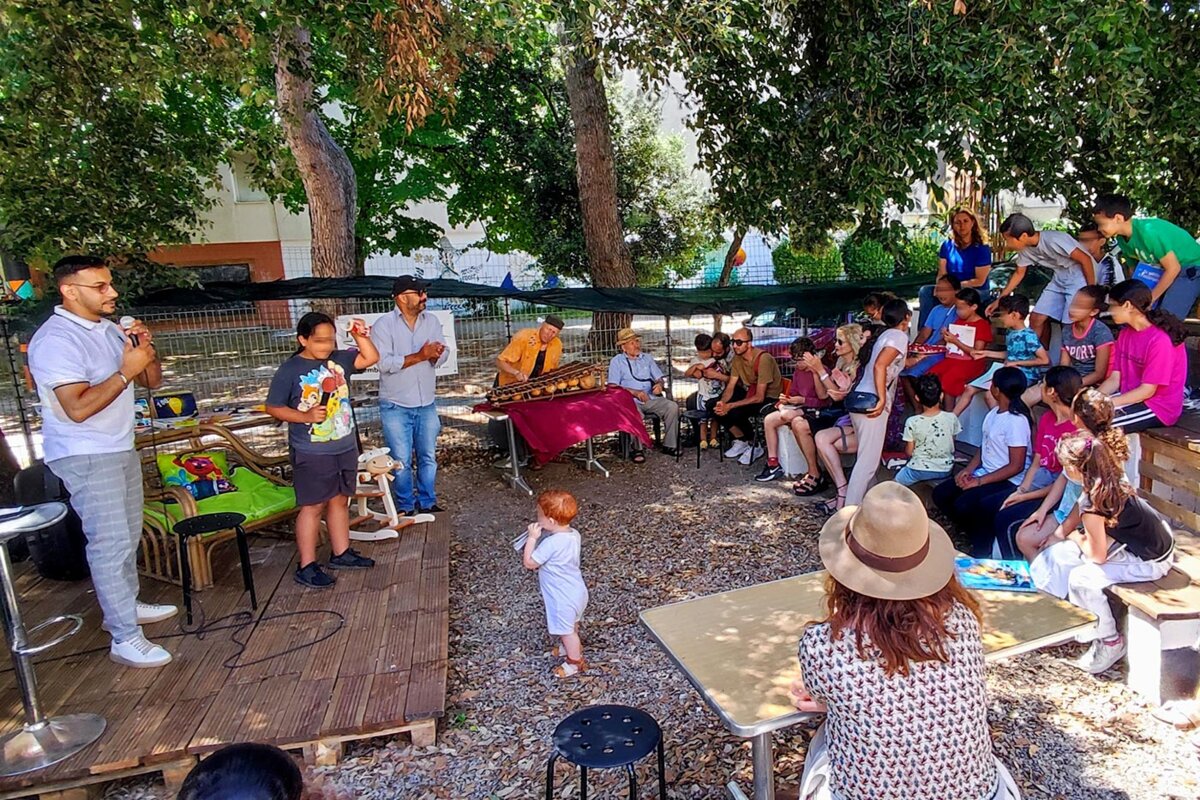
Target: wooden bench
{"points": [[1162, 626]]}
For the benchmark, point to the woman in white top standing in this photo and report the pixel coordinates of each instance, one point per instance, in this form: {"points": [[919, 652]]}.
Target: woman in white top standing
{"points": [[871, 401]]}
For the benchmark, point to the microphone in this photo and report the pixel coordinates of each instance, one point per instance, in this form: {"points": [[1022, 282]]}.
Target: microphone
{"points": [[127, 323]]}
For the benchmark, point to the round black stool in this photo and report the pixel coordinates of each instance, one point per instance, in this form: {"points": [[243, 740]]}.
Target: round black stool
{"points": [[606, 737], [42, 740], [205, 524]]}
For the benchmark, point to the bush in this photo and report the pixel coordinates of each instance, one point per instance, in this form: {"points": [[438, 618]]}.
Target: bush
{"points": [[918, 254], [866, 259], [820, 265]]}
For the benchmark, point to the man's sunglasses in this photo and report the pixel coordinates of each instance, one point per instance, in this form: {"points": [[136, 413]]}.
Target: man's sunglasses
{"points": [[740, 341]]}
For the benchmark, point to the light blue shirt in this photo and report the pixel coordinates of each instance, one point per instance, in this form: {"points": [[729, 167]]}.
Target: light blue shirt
{"points": [[939, 319], [411, 387], [636, 374]]}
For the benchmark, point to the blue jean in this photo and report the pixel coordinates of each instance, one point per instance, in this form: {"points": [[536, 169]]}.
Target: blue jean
{"points": [[1180, 298], [411, 434], [908, 476]]}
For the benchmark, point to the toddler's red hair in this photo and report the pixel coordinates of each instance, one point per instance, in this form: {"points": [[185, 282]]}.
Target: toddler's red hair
{"points": [[558, 505]]}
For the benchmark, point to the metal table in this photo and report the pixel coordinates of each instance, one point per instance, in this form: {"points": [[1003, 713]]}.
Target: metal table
{"points": [[513, 475], [738, 648]]}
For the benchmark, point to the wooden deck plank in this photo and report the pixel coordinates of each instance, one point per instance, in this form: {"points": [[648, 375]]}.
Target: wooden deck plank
{"points": [[435, 589], [385, 705], [432, 640], [426, 691], [348, 705], [223, 719]]}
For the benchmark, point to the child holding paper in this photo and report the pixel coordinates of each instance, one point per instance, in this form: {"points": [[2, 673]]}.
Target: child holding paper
{"points": [[963, 337], [1022, 349]]}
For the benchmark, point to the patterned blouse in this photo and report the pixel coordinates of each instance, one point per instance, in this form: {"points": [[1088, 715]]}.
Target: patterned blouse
{"points": [[918, 737]]}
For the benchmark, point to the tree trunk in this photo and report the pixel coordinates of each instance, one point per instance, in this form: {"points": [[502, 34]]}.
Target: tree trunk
{"points": [[727, 270], [325, 170], [608, 256]]}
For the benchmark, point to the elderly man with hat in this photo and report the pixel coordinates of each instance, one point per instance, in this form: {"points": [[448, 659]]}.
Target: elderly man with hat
{"points": [[530, 353], [897, 666], [634, 370], [411, 347]]}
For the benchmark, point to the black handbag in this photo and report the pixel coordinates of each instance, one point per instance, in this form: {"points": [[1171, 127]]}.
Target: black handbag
{"points": [[861, 402]]}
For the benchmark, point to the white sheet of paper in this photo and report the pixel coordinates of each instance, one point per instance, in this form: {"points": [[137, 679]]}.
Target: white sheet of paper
{"points": [[964, 332]]}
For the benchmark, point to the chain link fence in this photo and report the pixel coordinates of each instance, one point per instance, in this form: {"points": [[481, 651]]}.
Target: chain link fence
{"points": [[227, 355]]}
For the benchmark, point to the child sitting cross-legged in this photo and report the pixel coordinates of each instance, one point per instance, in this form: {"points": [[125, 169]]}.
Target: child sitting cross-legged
{"points": [[929, 436], [552, 548], [1022, 349]]}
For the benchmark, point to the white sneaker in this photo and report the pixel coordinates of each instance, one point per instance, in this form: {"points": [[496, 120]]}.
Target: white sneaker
{"points": [[750, 456], [154, 612], [1101, 656], [148, 613], [739, 446], [139, 652]]}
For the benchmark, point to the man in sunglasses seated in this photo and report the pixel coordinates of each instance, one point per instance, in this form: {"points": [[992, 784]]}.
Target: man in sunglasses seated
{"points": [[755, 383], [634, 370]]}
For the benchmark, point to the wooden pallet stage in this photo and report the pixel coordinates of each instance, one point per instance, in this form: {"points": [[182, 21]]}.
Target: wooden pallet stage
{"points": [[381, 673]]}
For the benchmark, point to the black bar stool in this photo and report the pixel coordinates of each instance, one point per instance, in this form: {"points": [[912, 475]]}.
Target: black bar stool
{"points": [[42, 740], [206, 524], [607, 737]]}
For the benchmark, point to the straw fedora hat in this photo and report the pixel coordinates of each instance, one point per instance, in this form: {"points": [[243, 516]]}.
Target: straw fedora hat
{"points": [[626, 335], [887, 548]]}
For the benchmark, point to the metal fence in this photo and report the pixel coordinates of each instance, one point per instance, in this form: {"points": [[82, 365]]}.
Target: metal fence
{"points": [[227, 355]]}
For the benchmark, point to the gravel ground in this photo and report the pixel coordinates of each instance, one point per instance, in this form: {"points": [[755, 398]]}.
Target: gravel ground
{"points": [[657, 533]]}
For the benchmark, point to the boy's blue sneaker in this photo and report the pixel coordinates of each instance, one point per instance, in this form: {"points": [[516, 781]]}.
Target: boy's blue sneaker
{"points": [[350, 560], [314, 577]]}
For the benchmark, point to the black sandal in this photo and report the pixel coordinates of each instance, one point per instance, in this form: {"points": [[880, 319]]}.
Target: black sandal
{"points": [[807, 486], [639, 457]]}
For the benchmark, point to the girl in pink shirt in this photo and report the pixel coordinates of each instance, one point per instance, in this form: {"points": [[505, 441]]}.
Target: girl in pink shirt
{"points": [[1149, 362]]}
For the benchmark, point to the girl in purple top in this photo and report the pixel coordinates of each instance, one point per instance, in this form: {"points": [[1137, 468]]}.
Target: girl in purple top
{"points": [[1149, 362]]}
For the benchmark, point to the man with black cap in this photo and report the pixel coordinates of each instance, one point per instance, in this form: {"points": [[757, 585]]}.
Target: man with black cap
{"points": [[531, 352], [411, 347]]}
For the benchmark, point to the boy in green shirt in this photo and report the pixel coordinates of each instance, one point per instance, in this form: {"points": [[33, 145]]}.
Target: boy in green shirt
{"points": [[1158, 242]]}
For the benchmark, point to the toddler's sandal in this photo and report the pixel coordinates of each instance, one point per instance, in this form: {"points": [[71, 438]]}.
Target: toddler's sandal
{"points": [[570, 667]]}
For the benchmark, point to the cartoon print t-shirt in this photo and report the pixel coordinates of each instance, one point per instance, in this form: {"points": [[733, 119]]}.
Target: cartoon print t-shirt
{"points": [[303, 383]]}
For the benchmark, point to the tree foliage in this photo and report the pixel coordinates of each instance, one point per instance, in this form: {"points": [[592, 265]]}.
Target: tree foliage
{"points": [[811, 116]]}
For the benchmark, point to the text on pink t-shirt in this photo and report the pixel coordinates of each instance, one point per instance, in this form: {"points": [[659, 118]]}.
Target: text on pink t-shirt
{"points": [[1045, 439], [1147, 356]]}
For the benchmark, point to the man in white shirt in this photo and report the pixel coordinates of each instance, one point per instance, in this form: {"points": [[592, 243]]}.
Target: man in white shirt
{"points": [[85, 368]]}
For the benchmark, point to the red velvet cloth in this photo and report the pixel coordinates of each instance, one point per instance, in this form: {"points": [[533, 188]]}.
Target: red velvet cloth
{"points": [[551, 426]]}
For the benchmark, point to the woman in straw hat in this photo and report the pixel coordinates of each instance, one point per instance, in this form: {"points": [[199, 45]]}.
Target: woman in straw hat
{"points": [[898, 664]]}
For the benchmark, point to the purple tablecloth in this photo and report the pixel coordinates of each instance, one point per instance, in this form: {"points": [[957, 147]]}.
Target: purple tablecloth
{"points": [[551, 426]]}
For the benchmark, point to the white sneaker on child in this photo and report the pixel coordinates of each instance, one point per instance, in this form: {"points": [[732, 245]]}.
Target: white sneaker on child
{"points": [[750, 456], [1101, 655], [739, 446]]}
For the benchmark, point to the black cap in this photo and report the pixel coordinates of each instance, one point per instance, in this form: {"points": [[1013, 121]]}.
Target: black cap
{"points": [[554, 321], [408, 283]]}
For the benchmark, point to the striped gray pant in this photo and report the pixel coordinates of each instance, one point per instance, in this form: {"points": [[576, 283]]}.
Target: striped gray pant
{"points": [[106, 493]]}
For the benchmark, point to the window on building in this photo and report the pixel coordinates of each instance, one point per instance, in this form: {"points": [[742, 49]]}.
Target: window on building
{"points": [[244, 191]]}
